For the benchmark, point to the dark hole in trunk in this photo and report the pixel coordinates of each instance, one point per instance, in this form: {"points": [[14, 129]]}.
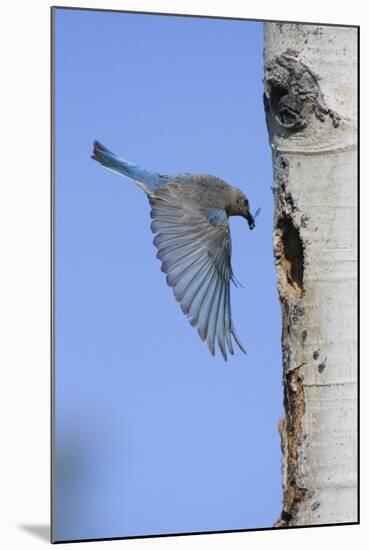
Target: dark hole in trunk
{"points": [[293, 253]]}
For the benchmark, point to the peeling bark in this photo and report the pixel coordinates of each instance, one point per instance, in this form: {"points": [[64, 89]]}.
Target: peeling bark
{"points": [[310, 103]]}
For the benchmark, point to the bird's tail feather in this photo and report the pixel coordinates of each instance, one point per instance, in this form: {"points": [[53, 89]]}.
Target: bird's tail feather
{"points": [[145, 179]]}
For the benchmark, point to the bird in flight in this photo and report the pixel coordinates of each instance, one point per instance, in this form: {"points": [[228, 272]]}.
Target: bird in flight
{"points": [[192, 235]]}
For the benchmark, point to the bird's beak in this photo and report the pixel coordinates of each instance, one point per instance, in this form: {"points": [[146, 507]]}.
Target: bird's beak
{"points": [[250, 220]]}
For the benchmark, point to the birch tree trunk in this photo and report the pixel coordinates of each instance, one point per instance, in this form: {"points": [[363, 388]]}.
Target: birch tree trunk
{"points": [[311, 110]]}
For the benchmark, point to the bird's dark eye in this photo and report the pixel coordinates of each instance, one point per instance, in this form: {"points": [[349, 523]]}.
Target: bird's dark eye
{"points": [[246, 203]]}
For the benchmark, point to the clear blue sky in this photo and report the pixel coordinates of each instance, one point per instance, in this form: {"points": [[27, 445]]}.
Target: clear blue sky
{"points": [[153, 434]]}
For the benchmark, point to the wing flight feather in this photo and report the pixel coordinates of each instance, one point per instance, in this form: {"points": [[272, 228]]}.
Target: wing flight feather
{"points": [[194, 247]]}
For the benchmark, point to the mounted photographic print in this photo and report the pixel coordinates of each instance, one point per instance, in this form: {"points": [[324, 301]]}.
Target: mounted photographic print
{"points": [[204, 183]]}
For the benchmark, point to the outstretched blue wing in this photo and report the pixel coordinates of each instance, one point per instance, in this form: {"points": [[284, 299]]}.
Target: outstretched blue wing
{"points": [[194, 246]]}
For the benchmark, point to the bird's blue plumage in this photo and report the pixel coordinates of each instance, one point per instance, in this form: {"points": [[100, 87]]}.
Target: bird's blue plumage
{"points": [[149, 181]]}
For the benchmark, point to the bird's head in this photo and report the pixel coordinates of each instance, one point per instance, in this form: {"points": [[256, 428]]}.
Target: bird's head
{"points": [[240, 206]]}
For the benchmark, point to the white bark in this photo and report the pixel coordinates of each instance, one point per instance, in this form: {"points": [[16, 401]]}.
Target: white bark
{"points": [[310, 100]]}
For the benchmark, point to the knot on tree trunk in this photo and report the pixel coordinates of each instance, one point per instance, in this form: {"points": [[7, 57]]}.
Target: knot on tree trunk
{"points": [[292, 92]]}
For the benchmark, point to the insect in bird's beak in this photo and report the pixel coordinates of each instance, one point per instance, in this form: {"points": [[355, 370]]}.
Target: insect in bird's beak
{"points": [[251, 218]]}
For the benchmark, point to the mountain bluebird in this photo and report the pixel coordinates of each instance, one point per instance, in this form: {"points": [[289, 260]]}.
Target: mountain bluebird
{"points": [[190, 219]]}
